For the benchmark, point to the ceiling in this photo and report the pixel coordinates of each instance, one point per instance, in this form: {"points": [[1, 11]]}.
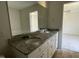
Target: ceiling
{"points": [[71, 6], [21, 4], [24, 4]]}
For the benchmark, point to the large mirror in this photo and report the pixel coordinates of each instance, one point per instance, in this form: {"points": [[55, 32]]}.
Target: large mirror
{"points": [[27, 16]]}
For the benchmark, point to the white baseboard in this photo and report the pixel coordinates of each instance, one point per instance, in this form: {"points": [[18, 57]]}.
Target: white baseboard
{"points": [[70, 34]]}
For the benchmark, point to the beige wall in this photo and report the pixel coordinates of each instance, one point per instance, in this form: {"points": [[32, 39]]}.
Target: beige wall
{"points": [[5, 33], [42, 17], [71, 19], [42, 20], [55, 15], [14, 15]]}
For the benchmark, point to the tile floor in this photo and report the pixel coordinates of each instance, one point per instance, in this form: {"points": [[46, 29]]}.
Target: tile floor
{"points": [[70, 42], [65, 53], [70, 47]]}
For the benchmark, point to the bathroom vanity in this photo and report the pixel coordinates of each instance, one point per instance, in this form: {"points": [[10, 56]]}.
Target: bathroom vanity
{"points": [[34, 45], [47, 49]]}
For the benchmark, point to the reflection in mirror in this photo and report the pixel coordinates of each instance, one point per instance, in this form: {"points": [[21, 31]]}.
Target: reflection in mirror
{"points": [[33, 21], [26, 16]]}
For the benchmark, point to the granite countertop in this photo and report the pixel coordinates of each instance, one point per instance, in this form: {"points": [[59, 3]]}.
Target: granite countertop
{"points": [[26, 45]]}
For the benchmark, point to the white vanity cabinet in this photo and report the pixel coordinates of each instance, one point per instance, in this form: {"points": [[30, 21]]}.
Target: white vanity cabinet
{"points": [[47, 49]]}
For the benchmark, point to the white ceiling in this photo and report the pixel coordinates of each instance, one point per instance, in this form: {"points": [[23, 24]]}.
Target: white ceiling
{"points": [[20, 4], [71, 6]]}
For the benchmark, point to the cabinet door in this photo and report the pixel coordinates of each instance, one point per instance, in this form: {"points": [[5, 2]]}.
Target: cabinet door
{"points": [[43, 50], [52, 45], [43, 47], [44, 54], [49, 53], [57, 40], [35, 54], [50, 48], [55, 43]]}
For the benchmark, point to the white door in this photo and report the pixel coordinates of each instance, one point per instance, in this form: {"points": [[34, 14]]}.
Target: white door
{"points": [[34, 21]]}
